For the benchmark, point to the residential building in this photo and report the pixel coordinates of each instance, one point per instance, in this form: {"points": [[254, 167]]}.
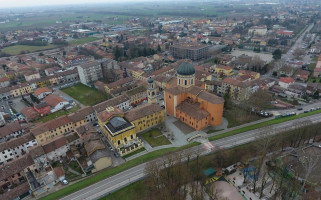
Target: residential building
{"points": [[90, 72], [30, 114], [47, 131], [238, 90], [41, 93], [57, 148], [42, 108], [189, 51], [122, 102], [258, 30], [191, 104], [137, 95], [83, 116], [285, 82], [55, 102], [145, 116], [251, 74], [15, 148], [96, 150], [222, 70], [303, 75], [120, 83], [4, 82], [31, 76], [13, 180], [11, 130]]}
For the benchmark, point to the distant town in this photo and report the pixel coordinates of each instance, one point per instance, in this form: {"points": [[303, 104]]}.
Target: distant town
{"points": [[161, 100]]}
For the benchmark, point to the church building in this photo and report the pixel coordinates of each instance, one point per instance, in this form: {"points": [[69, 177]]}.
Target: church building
{"points": [[192, 104]]}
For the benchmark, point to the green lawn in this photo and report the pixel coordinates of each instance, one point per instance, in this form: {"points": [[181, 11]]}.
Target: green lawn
{"points": [[83, 40], [75, 166], [135, 190], [262, 124], [18, 49], [155, 138], [134, 153], [52, 116], [85, 95], [112, 171]]}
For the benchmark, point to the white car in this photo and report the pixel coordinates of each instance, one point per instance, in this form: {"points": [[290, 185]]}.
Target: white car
{"points": [[65, 182]]}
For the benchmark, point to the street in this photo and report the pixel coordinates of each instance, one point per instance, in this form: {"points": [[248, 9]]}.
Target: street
{"points": [[124, 178]]}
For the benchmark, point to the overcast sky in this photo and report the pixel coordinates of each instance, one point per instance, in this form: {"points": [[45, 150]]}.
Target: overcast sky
{"points": [[23, 3]]}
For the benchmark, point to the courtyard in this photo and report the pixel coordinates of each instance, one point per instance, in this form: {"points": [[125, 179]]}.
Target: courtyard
{"points": [[85, 95]]}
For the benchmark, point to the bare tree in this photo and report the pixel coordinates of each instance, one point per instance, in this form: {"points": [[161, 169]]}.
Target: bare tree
{"points": [[309, 161]]}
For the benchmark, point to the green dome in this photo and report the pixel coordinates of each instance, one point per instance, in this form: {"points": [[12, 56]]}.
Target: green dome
{"points": [[150, 80], [186, 69]]}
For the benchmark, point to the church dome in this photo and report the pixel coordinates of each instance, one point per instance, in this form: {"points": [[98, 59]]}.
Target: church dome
{"points": [[186, 69], [150, 80]]}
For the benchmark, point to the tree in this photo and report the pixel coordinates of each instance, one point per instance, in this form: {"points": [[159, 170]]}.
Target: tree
{"points": [[309, 161], [159, 48], [277, 54], [117, 53], [298, 53]]}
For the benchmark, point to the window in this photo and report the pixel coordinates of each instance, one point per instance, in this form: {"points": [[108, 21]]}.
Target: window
{"points": [[131, 137], [185, 82], [169, 97], [125, 139], [212, 118], [192, 81], [118, 142], [179, 81]]}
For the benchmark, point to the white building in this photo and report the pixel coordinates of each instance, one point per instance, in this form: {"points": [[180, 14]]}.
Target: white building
{"points": [[16, 147], [258, 30], [55, 102], [11, 130], [90, 72], [59, 146], [31, 76]]}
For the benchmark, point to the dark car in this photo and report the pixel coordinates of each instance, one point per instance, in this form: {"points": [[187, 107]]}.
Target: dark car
{"points": [[299, 108], [116, 154]]}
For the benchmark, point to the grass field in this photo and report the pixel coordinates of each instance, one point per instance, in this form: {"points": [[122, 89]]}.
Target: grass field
{"points": [[135, 190], [262, 124], [85, 95], [83, 40], [134, 153], [155, 138], [17, 49], [52, 116], [112, 171]]}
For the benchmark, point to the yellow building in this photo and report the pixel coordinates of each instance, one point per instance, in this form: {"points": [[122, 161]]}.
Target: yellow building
{"points": [[51, 129], [253, 75], [224, 70], [21, 90], [119, 131], [137, 74], [146, 116]]}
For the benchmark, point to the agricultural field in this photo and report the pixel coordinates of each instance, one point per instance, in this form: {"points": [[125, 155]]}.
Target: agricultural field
{"points": [[20, 49], [85, 95]]}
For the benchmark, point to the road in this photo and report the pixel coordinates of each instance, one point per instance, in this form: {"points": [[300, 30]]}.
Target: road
{"points": [[297, 44], [131, 175]]}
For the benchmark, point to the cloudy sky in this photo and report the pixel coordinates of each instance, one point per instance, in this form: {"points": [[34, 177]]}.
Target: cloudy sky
{"points": [[23, 3]]}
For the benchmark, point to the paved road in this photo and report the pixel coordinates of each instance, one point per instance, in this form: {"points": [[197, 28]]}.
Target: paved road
{"points": [[297, 44], [136, 173]]}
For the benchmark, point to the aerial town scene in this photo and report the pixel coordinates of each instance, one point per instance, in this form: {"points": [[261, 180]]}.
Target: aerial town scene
{"points": [[160, 100]]}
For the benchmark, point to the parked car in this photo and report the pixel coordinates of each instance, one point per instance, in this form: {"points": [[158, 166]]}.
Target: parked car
{"points": [[116, 154], [65, 182], [299, 108]]}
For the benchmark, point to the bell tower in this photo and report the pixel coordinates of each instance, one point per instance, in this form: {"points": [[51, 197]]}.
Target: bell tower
{"points": [[151, 91]]}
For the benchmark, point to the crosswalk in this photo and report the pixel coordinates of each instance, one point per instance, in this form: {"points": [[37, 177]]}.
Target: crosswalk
{"points": [[209, 146]]}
